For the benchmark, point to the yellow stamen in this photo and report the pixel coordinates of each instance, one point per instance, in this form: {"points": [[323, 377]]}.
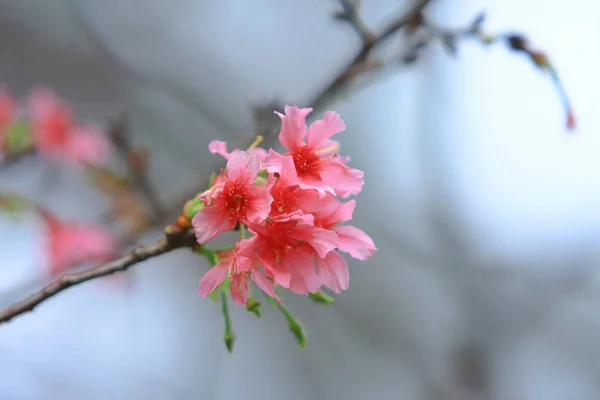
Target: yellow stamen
{"points": [[254, 144], [328, 149]]}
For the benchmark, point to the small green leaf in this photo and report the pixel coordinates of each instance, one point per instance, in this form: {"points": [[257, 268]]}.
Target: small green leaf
{"points": [[321, 298], [193, 207], [18, 137], [253, 306], [214, 296]]}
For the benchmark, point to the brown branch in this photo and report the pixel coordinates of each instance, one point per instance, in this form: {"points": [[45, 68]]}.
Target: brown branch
{"points": [[350, 14], [117, 133], [137, 255], [14, 157], [356, 66]]}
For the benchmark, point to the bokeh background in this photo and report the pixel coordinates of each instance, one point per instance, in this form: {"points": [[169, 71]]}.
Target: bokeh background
{"points": [[484, 209]]}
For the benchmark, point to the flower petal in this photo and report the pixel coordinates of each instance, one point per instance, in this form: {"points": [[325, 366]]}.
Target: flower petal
{"points": [[264, 284], [87, 146], [212, 279], [210, 222], [322, 129], [259, 204], [303, 278], [293, 126], [238, 288], [321, 240], [355, 242], [219, 147], [344, 180], [333, 272], [243, 166]]}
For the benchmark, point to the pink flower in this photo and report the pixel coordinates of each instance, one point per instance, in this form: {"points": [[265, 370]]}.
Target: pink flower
{"points": [[240, 269], [71, 244], [219, 147], [7, 116], [286, 250], [351, 240], [333, 268], [236, 198], [317, 164], [57, 133]]}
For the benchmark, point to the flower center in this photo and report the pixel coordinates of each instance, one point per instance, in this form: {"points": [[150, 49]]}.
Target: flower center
{"points": [[236, 199], [307, 161]]}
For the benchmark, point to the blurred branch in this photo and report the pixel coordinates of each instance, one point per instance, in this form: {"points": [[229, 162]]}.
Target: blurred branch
{"points": [[137, 255], [14, 157], [118, 134], [359, 63]]}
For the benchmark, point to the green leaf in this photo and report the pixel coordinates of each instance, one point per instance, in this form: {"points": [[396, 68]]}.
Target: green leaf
{"points": [[253, 306], [18, 137], [193, 207], [321, 298], [214, 296]]}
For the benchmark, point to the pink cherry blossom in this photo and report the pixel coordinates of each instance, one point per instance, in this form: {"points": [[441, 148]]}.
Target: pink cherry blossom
{"points": [[317, 164], [72, 244], [220, 148], [286, 251], [7, 116], [57, 133], [240, 269], [236, 198], [351, 240]]}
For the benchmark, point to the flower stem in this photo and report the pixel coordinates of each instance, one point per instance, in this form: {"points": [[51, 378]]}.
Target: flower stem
{"points": [[295, 325], [229, 335]]}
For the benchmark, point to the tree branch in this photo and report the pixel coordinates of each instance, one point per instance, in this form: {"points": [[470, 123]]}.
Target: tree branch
{"points": [[137, 255], [356, 65], [117, 133]]}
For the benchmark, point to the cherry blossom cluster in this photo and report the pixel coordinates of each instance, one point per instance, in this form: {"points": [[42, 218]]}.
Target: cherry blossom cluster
{"points": [[45, 123], [292, 204]]}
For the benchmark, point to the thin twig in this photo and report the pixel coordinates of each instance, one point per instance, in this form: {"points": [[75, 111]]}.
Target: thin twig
{"points": [[120, 139], [355, 66], [352, 16], [137, 255], [14, 157]]}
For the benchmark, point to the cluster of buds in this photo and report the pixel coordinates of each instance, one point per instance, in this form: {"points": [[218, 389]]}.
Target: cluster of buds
{"points": [[291, 205], [44, 123]]}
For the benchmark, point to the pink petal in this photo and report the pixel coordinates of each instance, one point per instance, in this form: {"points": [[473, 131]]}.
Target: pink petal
{"points": [[238, 288], [287, 173], [210, 222], [264, 284], [43, 101], [7, 107], [279, 274], [293, 126], [321, 130], [219, 147], [259, 204], [321, 240], [355, 242], [87, 145], [209, 196], [274, 161], [339, 212], [243, 166], [303, 278], [320, 186], [344, 180], [212, 279], [333, 272]]}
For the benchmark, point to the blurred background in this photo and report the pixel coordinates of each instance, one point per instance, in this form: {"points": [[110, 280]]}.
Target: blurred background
{"points": [[483, 207]]}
